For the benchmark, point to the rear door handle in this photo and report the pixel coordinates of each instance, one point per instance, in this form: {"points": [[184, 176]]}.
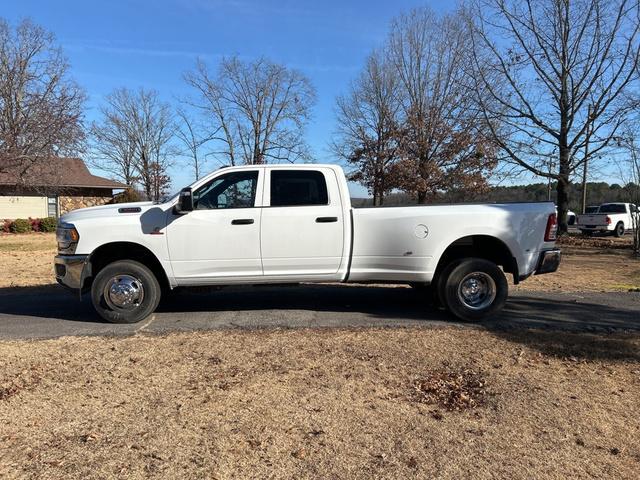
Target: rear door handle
{"points": [[326, 219], [242, 221]]}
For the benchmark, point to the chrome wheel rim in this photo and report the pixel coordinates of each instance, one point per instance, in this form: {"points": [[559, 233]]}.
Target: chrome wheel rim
{"points": [[123, 292], [477, 290]]}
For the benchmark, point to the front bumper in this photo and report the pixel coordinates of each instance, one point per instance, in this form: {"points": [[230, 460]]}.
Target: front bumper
{"points": [[549, 261], [71, 270]]}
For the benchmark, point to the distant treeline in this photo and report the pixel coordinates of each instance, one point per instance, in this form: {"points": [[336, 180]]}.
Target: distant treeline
{"points": [[597, 193]]}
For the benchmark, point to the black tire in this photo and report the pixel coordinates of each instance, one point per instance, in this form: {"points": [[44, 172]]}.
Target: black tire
{"points": [[441, 281], [138, 278], [488, 274], [619, 231]]}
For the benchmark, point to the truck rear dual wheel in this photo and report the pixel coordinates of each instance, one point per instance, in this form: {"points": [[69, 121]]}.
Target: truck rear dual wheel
{"points": [[125, 291], [472, 289], [619, 230]]}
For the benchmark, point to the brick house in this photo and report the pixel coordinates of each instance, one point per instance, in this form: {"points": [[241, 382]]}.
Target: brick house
{"points": [[52, 188]]}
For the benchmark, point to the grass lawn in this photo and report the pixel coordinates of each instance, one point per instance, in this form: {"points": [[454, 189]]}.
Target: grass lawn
{"points": [[333, 403], [374, 403]]}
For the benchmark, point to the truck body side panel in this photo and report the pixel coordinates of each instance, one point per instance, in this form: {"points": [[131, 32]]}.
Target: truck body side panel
{"points": [[406, 243]]}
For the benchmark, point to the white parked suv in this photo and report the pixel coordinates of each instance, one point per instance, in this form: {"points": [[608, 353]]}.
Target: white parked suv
{"points": [[294, 223], [615, 218]]}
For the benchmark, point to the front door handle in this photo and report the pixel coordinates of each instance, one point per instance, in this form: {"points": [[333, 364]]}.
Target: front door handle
{"points": [[242, 221], [326, 219]]}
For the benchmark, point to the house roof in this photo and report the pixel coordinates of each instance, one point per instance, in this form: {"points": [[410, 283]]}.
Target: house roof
{"points": [[55, 172]]}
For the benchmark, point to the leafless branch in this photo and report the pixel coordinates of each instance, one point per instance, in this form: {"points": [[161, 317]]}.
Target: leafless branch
{"points": [[132, 140], [558, 73], [41, 107], [258, 109]]}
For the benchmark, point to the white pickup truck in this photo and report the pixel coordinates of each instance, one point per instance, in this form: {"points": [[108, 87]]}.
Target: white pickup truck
{"points": [[294, 223], [615, 218]]}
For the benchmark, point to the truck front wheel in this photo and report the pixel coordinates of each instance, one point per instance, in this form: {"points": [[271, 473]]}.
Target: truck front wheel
{"points": [[125, 291], [474, 289]]}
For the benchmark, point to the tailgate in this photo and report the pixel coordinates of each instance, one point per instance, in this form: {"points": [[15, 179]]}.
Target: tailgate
{"points": [[592, 220]]}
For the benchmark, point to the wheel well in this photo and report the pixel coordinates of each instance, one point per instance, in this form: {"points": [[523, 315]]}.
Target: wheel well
{"points": [[111, 252], [480, 246]]}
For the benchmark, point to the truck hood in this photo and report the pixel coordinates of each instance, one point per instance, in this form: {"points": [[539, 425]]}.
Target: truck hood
{"points": [[106, 211]]}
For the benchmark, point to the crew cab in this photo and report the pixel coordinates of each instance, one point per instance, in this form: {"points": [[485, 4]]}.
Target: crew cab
{"points": [[615, 218], [294, 223]]}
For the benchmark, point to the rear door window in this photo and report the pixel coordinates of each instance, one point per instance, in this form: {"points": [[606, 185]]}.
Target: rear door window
{"points": [[291, 188], [613, 208]]}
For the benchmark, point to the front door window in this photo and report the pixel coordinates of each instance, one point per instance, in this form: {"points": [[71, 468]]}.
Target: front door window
{"points": [[234, 190]]}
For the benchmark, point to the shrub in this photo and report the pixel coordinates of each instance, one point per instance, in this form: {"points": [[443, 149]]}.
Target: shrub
{"points": [[35, 224], [48, 224], [20, 225], [5, 226], [129, 195]]}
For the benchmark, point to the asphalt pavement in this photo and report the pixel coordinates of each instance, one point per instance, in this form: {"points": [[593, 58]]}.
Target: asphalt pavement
{"points": [[49, 312]]}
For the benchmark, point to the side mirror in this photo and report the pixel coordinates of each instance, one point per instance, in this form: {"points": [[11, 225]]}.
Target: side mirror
{"points": [[185, 201]]}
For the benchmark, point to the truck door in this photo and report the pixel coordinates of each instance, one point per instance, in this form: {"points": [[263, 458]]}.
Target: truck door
{"points": [[220, 238], [302, 222]]}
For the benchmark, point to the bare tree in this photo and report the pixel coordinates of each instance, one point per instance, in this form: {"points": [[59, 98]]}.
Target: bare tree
{"points": [[556, 71], [445, 140], [192, 137], [133, 139], [368, 127], [629, 164], [40, 105], [259, 110], [113, 146]]}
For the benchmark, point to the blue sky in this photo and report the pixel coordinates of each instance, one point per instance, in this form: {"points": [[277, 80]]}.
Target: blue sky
{"points": [[145, 43]]}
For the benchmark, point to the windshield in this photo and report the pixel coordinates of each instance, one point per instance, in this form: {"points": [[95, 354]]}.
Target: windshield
{"points": [[613, 208], [591, 210]]}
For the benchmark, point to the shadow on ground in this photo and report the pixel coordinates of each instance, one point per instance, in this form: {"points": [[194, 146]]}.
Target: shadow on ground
{"points": [[555, 324]]}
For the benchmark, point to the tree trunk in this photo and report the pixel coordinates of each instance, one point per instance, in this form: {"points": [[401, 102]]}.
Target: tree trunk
{"points": [[562, 187], [422, 198], [562, 190]]}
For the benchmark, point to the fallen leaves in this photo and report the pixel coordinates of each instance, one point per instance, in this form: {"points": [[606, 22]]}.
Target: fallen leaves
{"points": [[451, 388], [25, 380], [299, 453], [595, 242]]}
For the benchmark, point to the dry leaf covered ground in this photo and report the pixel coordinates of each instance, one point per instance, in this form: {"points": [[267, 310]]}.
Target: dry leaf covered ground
{"points": [[375, 403], [27, 260], [591, 264], [336, 403]]}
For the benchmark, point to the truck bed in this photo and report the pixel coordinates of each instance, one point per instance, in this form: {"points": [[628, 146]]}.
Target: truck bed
{"points": [[394, 243]]}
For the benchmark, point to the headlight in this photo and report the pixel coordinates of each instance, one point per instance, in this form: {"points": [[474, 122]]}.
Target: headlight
{"points": [[67, 237]]}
